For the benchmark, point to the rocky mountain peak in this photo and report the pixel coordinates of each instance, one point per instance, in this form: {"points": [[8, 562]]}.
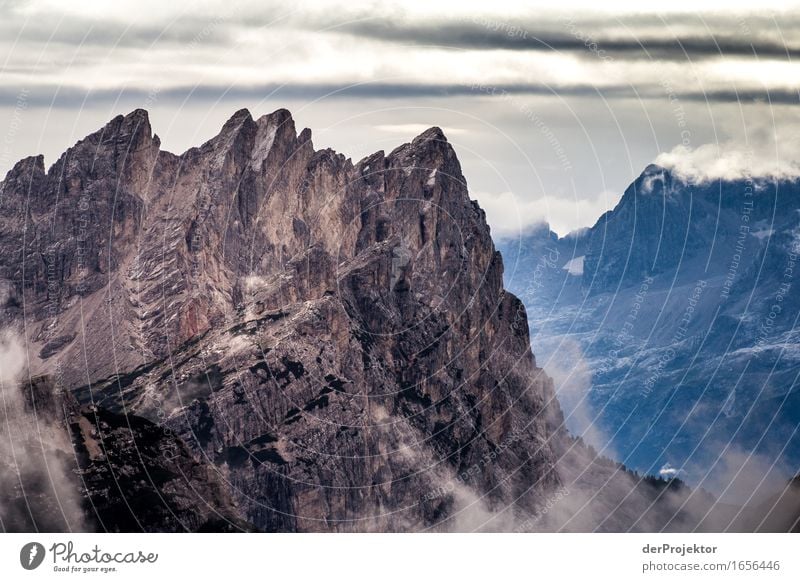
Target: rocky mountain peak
{"points": [[133, 130], [25, 171], [137, 118], [428, 146], [240, 123], [653, 169], [653, 182], [345, 296], [432, 133], [278, 117]]}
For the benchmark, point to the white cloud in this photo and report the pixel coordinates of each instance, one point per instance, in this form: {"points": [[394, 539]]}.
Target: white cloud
{"points": [[650, 182], [414, 129], [563, 359], [733, 161], [412, 9], [668, 471], [509, 214], [12, 361], [33, 451]]}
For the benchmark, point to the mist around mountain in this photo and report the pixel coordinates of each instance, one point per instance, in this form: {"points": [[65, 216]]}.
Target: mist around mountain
{"points": [[256, 335], [670, 329]]}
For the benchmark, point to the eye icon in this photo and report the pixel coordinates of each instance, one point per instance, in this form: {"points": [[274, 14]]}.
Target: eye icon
{"points": [[31, 555]]}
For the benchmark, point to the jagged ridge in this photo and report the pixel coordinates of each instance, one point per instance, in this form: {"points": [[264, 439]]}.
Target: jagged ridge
{"points": [[329, 342]]}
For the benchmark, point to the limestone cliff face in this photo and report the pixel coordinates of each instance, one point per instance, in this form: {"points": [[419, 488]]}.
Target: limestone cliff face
{"points": [[331, 339]]}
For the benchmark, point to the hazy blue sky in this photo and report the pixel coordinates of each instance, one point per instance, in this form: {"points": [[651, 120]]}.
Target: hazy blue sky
{"points": [[553, 112]]}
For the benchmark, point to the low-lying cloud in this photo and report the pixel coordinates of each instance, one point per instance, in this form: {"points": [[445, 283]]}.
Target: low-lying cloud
{"points": [[511, 215], [37, 491]]}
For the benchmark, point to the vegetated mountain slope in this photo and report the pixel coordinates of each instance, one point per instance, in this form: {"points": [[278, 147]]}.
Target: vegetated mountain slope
{"points": [[319, 345], [671, 328]]}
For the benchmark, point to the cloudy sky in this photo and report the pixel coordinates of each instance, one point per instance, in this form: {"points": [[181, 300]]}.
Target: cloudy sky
{"points": [[553, 107]]}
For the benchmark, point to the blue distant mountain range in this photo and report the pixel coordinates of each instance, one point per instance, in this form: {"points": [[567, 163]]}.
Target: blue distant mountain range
{"points": [[671, 326]]}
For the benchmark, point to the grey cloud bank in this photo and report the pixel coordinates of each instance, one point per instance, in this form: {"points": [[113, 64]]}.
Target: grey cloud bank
{"points": [[596, 80]]}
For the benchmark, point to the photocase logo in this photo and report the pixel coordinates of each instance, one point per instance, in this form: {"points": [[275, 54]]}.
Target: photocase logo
{"points": [[31, 555]]}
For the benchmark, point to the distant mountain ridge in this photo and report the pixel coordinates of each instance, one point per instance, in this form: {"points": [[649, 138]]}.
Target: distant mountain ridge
{"points": [[680, 306]]}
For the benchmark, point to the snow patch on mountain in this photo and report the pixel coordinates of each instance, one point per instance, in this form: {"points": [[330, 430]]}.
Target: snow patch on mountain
{"points": [[574, 266]]}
